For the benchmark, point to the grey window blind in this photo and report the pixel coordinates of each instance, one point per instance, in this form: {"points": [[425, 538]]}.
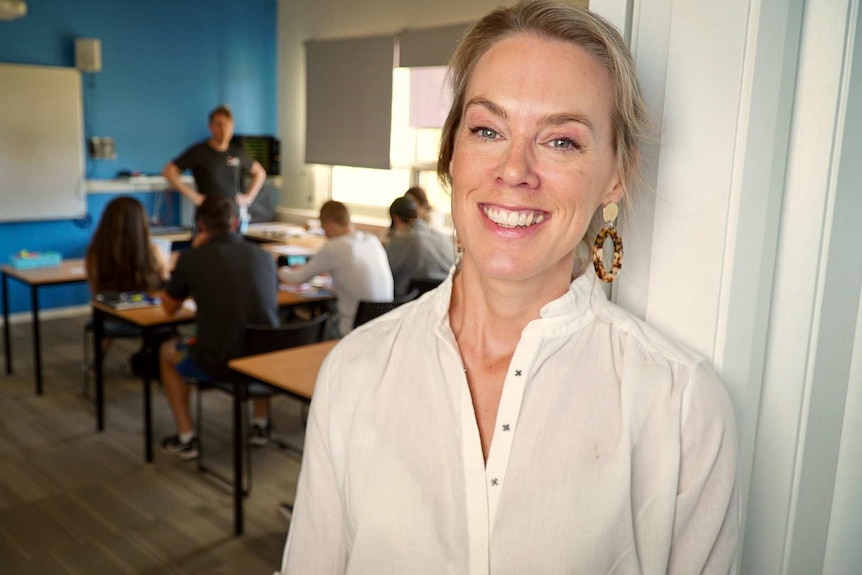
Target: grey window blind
{"points": [[349, 101], [429, 46]]}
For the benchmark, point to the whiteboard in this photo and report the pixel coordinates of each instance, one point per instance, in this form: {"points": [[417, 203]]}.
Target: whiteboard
{"points": [[41, 143]]}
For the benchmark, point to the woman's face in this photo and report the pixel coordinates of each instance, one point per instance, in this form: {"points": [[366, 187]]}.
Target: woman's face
{"points": [[533, 158]]}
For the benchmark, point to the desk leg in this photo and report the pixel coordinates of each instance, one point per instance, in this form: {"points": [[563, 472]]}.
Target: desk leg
{"points": [[98, 359], [148, 420], [6, 339], [37, 351], [238, 390]]}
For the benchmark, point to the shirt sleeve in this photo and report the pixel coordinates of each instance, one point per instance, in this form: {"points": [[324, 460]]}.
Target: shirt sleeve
{"points": [[317, 542], [321, 263], [187, 159], [706, 522]]}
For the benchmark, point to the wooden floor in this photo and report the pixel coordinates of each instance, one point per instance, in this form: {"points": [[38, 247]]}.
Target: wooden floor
{"points": [[76, 501]]}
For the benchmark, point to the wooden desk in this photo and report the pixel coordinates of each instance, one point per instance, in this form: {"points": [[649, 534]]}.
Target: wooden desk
{"points": [[178, 236], [282, 233], [150, 319], [291, 370], [68, 272]]}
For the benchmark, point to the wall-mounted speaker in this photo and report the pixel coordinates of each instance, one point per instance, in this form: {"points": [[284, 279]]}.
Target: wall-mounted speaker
{"points": [[88, 55]]}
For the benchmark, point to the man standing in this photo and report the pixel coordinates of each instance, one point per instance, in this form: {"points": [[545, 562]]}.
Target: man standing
{"points": [[217, 165], [355, 260], [233, 283], [415, 250]]}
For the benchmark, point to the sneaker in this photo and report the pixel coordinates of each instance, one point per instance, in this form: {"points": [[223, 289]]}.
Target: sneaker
{"points": [[260, 435], [174, 446]]}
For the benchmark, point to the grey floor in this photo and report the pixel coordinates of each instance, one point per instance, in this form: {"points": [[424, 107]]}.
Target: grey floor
{"points": [[76, 501]]}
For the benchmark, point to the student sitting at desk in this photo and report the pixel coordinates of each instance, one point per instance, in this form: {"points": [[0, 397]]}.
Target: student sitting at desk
{"points": [[122, 257], [415, 250], [233, 283], [356, 261]]}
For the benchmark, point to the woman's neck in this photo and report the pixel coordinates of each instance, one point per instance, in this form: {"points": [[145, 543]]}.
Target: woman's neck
{"points": [[495, 311]]}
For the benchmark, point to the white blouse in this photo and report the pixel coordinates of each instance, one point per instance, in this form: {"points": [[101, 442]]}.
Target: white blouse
{"points": [[614, 452]]}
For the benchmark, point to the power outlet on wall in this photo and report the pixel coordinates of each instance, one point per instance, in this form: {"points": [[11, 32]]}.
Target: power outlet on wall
{"points": [[101, 148]]}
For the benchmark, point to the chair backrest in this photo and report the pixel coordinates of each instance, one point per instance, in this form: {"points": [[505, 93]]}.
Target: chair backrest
{"points": [[424, 284], [264, 338], [369, 310]]}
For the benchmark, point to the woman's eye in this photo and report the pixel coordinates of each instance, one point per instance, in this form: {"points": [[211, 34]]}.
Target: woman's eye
{"points": [[564, 144], [485, 133]]}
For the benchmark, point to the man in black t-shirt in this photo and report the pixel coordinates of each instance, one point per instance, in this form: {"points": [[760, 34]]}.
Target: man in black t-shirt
{"points": [[233, 283], [217, 165]]}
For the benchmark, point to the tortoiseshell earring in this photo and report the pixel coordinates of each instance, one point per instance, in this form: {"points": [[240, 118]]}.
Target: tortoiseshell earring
{"points": [[609, 215]]}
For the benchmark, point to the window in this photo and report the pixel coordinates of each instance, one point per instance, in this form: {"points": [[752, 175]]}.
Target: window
{"points": [[413, 152], [368, 187]]}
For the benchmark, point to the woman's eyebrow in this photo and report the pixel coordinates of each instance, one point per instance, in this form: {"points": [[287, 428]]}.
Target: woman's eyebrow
{"points": [[552, 119], [565, 118], [488, 105]]}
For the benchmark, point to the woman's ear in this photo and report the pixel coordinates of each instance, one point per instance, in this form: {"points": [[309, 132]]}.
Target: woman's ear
{"points": [[615, 191]]}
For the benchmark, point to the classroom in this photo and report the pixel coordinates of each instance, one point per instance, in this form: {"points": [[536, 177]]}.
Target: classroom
{"points": [[743, 247]]}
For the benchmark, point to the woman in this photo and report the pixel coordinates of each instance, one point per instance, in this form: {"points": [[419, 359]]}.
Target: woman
{"points": [[514, 421], [426, 211], [121, 256]]}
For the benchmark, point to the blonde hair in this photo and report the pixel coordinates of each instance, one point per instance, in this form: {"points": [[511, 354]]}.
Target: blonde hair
{"points": [[577, 26]]}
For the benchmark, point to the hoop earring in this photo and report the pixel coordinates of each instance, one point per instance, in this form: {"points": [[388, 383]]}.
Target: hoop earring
{"points": [[609, 215]]}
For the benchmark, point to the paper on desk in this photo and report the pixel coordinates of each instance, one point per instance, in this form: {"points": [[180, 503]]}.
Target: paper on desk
{"points": [[190, 305], [77, 271]]}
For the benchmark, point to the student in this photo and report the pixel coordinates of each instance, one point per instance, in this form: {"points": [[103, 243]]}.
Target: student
{"points": [[356, 261], [233, 283], [427, 212], [122, 257], [415, 251], [217, 165]]}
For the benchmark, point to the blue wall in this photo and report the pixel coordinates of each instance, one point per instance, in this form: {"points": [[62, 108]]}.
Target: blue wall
{"points": [[165, 65]]}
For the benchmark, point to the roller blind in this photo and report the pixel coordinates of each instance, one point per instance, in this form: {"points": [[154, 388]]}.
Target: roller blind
{"points": [[349, 101], [429, 46]]}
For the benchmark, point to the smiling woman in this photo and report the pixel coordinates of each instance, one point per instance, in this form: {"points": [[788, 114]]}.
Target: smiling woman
{"points": [[513, 420]]}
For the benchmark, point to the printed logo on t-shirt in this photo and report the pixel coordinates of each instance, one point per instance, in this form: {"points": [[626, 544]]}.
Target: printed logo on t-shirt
{"points": [[232, 161]]}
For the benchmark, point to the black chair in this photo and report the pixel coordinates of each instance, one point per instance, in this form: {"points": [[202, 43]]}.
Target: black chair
{"points": [[369, 310], [113, 330], [258, 339], [424, 284]]}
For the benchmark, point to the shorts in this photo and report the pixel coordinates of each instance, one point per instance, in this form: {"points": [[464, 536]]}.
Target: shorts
{"points": [[186, 366]]}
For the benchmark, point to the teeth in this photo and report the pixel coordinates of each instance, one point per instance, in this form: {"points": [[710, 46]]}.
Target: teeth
{"points": [[508, 219]]}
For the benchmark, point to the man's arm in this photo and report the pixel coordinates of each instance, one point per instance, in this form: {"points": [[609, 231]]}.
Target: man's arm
{"points": [[258, 177], [322, 263], [172, 174]]}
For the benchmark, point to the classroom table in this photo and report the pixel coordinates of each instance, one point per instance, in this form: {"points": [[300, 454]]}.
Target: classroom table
{"points": [[150, 319], [68, 272], [282, 233], [293, 371]]}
